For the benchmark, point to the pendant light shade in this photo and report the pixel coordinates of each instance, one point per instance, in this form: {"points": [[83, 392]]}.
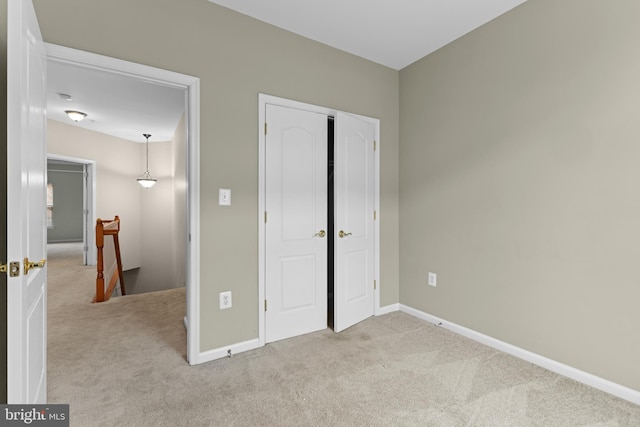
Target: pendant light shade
{"points": [[145, 180]]}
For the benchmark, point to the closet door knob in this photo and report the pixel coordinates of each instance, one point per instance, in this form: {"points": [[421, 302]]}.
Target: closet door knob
{"points": [[342, 234], [320, 233]]}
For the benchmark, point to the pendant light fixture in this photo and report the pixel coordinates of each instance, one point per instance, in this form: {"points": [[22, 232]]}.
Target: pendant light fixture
{"points": [[145, 180]]}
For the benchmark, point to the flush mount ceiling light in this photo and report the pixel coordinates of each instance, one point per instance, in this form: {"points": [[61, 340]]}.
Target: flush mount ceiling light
{"points": [[76, 116], [145, 180]]}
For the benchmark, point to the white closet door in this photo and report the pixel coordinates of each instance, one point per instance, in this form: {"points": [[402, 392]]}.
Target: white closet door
{"points": [[296, 222], [354, 221]]}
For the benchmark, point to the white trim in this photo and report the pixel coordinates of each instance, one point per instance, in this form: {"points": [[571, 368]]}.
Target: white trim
{"points": [[193, 227], [263, 100], [191, 85], [89, 202], [219, 353], [118, 66], [388, 309], [376, 225], [262, 104], [544, 362]]}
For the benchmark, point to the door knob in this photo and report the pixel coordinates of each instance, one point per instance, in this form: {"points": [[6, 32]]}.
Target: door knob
{"points": [[342, 234], [28, 265], [320, 233]]}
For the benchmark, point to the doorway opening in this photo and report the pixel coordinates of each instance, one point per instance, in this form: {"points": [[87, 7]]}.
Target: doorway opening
{"points": [[189, 158], [78, 203]]}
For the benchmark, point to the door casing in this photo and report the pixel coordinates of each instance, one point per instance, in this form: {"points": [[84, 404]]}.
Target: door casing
{"points": [[89, 204], [263, 100], [191, 85]]}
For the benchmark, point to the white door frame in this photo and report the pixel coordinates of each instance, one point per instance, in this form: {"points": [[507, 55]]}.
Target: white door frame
{"points": [[88, 202], [263, 100], [191, 85]]}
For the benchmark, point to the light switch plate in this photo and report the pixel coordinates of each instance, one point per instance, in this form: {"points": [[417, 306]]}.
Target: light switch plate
{"points": [[224, 197]]}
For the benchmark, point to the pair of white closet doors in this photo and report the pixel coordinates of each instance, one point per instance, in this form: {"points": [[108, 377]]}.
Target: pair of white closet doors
{"points": [[296, 220]]}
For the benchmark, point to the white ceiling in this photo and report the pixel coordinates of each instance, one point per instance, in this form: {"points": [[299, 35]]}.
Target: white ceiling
{"points": [[394, 33], [117, 105]]}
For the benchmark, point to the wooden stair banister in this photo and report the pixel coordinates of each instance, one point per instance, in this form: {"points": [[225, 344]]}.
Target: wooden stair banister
{"points": [[108, 228]]}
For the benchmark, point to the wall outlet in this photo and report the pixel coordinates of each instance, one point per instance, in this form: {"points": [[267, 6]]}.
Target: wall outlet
{"points": [[433, 279], [225, 300]]}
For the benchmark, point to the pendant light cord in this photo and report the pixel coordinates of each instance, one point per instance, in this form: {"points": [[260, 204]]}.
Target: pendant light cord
{"points": [[146, 135]]}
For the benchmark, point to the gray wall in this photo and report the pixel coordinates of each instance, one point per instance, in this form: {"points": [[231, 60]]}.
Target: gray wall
{"points": [[520, 183], [3, 200], [158, 261], [67, 181], [237, 57], [164, 208]]}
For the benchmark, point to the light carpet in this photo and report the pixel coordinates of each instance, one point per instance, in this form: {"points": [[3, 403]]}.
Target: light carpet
{"points": [[122, 363]]}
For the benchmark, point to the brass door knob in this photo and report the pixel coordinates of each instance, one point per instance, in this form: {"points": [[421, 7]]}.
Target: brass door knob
{"points": [[342, 234], [28, 265], [320, 233]]}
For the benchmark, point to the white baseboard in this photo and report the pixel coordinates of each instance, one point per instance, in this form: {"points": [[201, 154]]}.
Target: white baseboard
{"points": [[387, 309], [221, 352], [557, 367]]}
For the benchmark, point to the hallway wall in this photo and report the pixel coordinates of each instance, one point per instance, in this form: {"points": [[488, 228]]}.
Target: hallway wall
{"points": [[118, 165], [153, 254]]}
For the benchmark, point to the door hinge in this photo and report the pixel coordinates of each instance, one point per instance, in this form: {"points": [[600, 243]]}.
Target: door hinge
{"points": [[265, 128], [375, 215], [13, 268], [265, 305], [375, 144], [375, 285], [265, 217]]}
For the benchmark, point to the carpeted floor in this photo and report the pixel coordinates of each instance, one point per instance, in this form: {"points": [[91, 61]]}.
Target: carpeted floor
{"points": [[122, 363]]}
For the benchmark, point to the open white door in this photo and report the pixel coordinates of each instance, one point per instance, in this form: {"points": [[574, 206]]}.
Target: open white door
{"points": [[26, 207], [354, 188], [296, 222]]}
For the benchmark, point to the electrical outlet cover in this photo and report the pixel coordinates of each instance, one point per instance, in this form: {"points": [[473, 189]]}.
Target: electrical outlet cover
{"points": [[225, 300], [433, 279]]}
